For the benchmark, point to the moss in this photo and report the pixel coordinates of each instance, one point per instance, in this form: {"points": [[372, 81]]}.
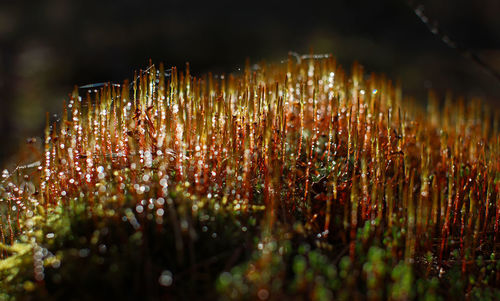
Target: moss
{"points": [[295, 181]]}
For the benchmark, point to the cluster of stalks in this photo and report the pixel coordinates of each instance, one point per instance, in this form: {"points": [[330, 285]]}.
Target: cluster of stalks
{"points": [[303, 142]]}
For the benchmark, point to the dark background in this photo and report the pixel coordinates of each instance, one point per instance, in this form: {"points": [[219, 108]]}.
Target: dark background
{"points": [[48, 46]]}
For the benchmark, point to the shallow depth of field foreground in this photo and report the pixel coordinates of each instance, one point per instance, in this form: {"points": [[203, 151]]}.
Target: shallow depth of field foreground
{"points": [[287, 181]]}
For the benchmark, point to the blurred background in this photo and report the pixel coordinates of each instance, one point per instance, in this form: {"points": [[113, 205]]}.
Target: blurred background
{"points": [[46, 47]]}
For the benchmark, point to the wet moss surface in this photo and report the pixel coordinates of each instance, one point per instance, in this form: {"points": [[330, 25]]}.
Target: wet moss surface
{"points": [[289, 181]]}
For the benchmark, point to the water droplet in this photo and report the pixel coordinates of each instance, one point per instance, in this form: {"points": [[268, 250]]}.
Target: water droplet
{"points": [[166, 278], [84, 252], [263, 294]]}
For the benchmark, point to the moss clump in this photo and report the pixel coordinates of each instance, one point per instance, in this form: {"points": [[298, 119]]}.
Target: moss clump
{"points": [[292, 181]]}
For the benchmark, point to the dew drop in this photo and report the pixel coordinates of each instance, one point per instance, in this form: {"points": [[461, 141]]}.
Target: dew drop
{"points": [[166, 278]]}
